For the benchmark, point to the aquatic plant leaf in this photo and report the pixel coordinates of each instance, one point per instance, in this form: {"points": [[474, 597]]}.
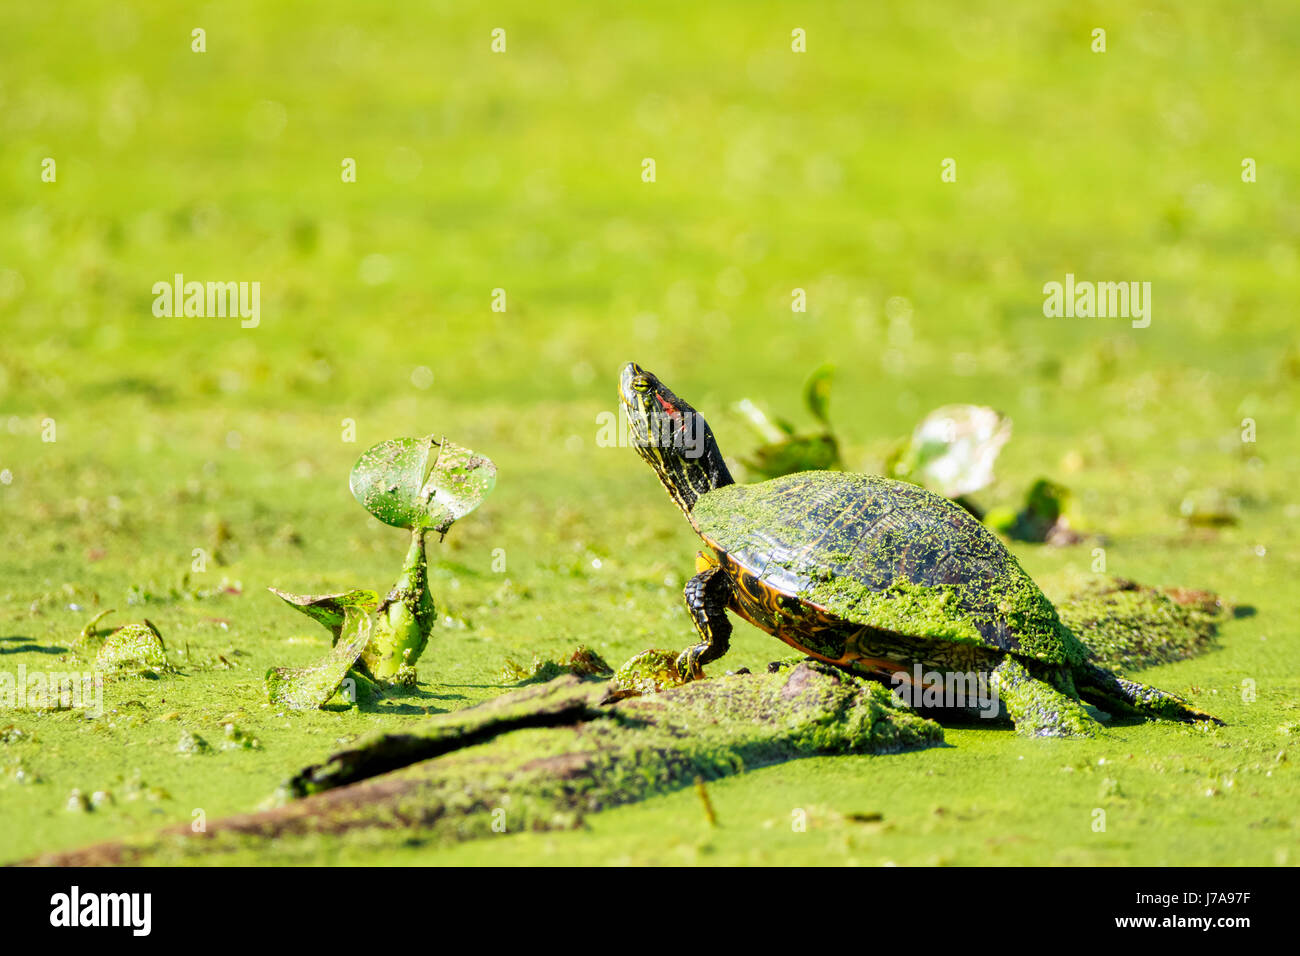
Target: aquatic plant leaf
{"points": [[192, 745], [329, 609], [388, 478], [784, 451], [1047, 500], [421, 482], [764, 427], [1049, 515], [308, 688], [953, 449], [797, 453], [457, 484], [817, 393]]}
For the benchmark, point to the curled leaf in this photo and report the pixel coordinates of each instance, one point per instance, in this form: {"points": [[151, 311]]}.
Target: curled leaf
{"points": [[421, 482], [91, 633], [329, 609], [308, 688], [387, 480]]}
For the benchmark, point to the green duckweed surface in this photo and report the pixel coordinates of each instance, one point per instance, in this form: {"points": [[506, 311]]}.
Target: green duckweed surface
{"points": [[174, 468]]}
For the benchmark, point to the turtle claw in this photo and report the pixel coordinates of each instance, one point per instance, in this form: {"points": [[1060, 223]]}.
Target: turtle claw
{"points": [[688, 666]]}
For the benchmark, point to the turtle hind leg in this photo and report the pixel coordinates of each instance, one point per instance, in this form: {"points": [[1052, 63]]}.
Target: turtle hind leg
{"points": [[707, 596], [1133, 697], [1036, 707]]}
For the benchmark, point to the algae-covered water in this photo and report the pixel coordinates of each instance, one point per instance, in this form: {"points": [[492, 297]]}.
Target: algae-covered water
{"points": [[500, 256]]}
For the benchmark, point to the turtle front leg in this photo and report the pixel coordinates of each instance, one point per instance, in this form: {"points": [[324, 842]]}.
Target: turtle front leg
{"points": [[707, 596], [1036, 707]]}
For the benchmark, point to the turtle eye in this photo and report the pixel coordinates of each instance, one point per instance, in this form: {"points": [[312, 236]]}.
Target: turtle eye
{"points": [[641, 384]]}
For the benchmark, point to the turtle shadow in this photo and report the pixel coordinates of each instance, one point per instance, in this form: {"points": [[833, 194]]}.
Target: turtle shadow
{"points": [[399, 709], [31, 647], [952, 719], [956, 720], [400, 703], [1120, 719]]}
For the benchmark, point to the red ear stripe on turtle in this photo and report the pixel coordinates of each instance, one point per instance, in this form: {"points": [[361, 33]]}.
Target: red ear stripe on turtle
{"points": [[667, 405]]}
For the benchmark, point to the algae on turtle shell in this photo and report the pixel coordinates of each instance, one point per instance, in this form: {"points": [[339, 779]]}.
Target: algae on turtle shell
{"points": [[545, 755], [849, 574], [903, 607]]}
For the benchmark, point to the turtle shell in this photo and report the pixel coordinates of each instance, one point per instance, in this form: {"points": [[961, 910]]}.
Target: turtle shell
{"points": [[890, 556]]}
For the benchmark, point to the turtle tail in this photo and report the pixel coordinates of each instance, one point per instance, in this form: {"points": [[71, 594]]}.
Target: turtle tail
{"points": [[1119, 693]]}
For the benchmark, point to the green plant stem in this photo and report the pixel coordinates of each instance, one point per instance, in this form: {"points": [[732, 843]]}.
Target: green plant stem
{"points": [[406, 617]]}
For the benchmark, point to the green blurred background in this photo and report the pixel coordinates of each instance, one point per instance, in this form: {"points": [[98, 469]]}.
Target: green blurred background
{"points": [[522, 171]]}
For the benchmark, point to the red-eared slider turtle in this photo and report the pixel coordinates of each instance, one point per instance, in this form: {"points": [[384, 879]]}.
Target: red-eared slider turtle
{"points": [[875, 575]]}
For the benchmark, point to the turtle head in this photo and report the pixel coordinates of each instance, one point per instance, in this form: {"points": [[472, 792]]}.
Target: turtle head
{"points": [[672, 437]]}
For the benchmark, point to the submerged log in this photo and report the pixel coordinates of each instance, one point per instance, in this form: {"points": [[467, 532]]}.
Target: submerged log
{"points": [[544, 756]]}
